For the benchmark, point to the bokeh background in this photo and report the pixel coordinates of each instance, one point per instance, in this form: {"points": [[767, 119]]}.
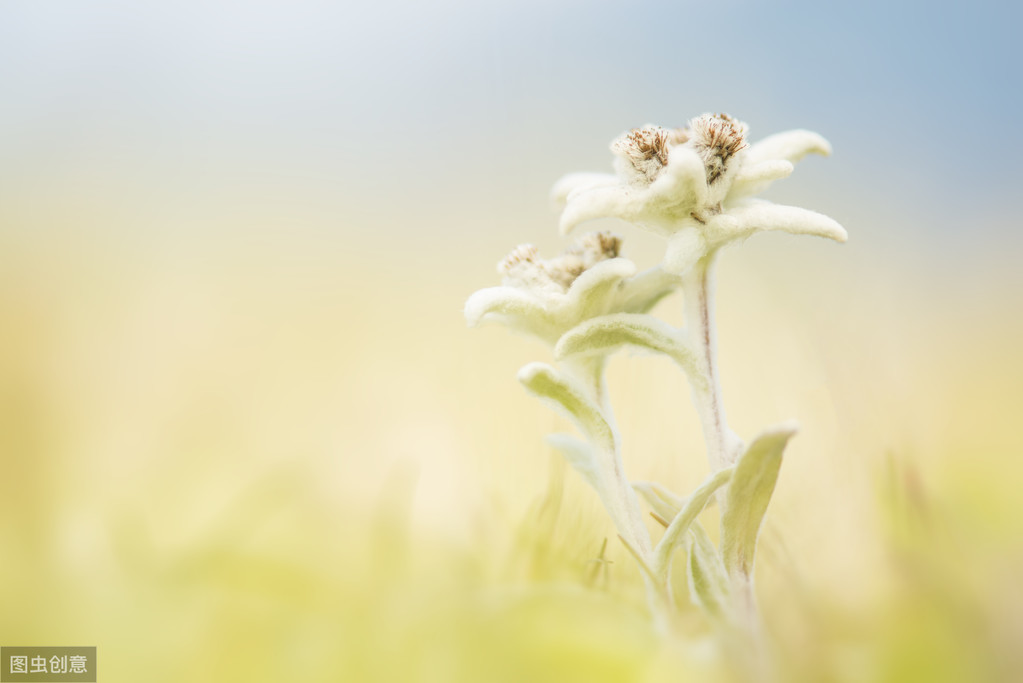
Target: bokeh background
{"points": [[246, 435]]}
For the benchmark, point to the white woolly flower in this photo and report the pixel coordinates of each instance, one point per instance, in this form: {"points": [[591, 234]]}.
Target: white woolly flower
{"points": [[693, 186], [546, 298]]}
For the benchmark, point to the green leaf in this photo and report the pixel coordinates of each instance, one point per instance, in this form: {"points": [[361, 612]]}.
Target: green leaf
{"points": [[708, 581], [546, 382], [608, 333], [748, 496], [675, 534]]}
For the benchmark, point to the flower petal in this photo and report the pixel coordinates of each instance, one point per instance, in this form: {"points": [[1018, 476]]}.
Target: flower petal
{"points": [[685, 248], [572, 182], [792, 145], [641, 293], [546, 382], [593, 292], [513, 307], [754, 216], [617, 201], [748, 495], [755, 178]]}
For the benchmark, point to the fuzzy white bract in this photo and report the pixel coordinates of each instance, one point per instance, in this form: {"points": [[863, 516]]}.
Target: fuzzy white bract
{"points": [[546, 298], [694, 186]]}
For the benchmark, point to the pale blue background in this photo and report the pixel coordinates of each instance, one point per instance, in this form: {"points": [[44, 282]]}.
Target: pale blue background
{"points": [[464, 109]]}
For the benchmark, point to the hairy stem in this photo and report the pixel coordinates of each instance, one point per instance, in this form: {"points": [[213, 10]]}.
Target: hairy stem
{"points": [[723, 446]]}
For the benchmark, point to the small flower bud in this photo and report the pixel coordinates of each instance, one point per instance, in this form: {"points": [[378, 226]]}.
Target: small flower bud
{"points": [[717, 138], [523, 268]]}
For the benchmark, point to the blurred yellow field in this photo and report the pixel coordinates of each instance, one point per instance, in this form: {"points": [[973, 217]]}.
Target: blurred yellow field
{"points": [[238, 471]]}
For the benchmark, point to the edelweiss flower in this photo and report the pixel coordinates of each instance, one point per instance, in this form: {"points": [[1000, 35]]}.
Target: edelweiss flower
{"points": [[693, 186], [546, 298]]}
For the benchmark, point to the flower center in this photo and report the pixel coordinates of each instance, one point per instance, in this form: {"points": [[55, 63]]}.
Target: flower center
{"points": [[523, 267], [716, 138], [644, 152]]}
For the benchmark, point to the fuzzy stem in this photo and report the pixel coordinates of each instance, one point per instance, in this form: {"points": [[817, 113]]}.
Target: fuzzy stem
{"points": [[723, 446], [627, 514]]}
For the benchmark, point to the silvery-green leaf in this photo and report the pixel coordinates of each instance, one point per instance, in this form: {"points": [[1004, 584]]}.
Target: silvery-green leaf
{"points": [[581, 457], [640, 293], [593, 292], [617, 201], [708, 582], [675, 534], [791, 145], [755, 178], [514, 307], [544, 381], [752, 216], [662, 501], [608, 333], [748, 496], [574, 182]]}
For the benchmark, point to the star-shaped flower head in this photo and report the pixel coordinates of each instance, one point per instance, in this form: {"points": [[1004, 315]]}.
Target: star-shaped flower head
{"points": [[546, 298], [693, 186]]}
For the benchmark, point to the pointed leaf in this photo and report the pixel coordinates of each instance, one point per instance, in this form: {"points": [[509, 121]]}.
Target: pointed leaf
{"points": [[675, 534], [617, 201], [791, 145], [748, 496], [751, 217], [513, 307], [544, 381], [755, 178], [573, 182], [708, 582]]}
